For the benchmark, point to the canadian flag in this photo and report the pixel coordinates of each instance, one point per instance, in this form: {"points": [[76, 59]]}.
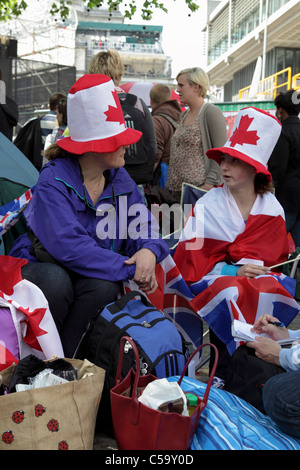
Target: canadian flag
{"points": [[26, 323]]}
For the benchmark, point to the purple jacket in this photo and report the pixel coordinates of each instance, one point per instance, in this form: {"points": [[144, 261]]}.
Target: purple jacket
{"points": [[92, 242]]}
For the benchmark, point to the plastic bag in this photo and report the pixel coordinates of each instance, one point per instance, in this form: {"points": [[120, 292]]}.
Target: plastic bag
{"points": [[165, 396]]}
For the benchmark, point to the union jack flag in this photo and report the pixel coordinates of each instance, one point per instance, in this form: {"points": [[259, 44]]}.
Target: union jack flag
{"points": [[173, 297], [216, 234], [221, 299], [11, 212]]}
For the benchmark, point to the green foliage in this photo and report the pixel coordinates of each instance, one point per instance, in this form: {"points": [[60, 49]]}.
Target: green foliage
{"points": [[13, 8]]}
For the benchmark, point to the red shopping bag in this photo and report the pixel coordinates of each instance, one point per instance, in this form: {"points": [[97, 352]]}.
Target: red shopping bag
{"points": [[139, 427]]}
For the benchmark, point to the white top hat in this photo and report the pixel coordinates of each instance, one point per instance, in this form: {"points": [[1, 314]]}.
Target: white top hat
{"points": [[95, 118], [253, 138]]}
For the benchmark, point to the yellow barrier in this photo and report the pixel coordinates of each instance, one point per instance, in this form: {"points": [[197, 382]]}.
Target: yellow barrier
{"points": [[296, 81], [270, 86]]}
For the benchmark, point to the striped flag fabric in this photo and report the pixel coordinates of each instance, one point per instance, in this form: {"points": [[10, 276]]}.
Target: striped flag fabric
{"points": [[230, 423]]}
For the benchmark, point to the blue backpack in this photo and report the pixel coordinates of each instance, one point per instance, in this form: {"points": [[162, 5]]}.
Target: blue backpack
{"points": [[162, 349]]}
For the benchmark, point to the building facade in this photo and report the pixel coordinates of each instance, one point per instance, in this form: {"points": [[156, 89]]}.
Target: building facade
{"points": [[245, 38]]}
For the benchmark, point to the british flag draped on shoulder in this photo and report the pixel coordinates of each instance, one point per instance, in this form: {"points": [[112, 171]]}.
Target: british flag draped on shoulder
{"points": [[26, 324], [216, 232]]}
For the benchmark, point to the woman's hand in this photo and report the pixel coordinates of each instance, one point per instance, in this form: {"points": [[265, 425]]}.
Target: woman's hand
{"points": [[145, 261], [252, 270], [266, 349], [264, 325]]}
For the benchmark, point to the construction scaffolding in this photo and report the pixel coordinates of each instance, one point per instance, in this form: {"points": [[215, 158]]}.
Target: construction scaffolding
{"points": [[34, 82]]}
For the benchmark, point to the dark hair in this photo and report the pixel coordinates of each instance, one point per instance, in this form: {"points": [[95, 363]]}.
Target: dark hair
{"points": [[54, 100], [261, 184], [289, 101], [62, 109]]}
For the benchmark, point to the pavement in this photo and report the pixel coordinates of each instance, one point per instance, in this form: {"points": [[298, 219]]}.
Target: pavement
{"points": [[104, 442]]}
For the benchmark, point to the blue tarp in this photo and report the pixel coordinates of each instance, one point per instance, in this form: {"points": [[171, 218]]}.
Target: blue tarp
{"points": [[230, 423]]}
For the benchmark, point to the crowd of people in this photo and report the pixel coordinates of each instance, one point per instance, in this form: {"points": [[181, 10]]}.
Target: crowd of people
{"points": [[79, 257]]}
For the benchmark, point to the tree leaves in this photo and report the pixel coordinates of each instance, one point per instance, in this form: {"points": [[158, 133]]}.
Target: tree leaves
{"points": [[13, 8]]}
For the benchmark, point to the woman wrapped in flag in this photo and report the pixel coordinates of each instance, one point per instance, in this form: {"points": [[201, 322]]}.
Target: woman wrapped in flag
{"points": [[234, 236]]}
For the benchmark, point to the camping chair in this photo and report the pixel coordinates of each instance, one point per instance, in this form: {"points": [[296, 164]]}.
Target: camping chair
{"points": [[189, 196], [190, 325]]}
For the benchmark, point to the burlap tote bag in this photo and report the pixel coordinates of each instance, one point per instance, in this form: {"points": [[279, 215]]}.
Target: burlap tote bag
{"points": [[58, 417]]}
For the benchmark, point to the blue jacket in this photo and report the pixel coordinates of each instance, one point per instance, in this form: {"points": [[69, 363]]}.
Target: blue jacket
{"points": [[85, 239]]}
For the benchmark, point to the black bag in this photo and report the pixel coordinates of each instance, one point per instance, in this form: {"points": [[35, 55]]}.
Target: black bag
{"points": [[161, 347], [247, 374], [158, 195], [38, 250], [138, 163], [29, 141]]}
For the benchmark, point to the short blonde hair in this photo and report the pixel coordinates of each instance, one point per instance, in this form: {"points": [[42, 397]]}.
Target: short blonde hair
{"points": [[108, 63], [196, 76]]}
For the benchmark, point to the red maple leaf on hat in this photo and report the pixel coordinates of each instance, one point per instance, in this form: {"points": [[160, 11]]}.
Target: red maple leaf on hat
{"points": [[241, 135], [115, 113]]}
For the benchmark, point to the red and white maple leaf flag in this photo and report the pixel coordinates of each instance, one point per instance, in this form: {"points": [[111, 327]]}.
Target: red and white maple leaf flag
{"points": [[242, 135], [115, 113], [253, 138], [30, 328]]}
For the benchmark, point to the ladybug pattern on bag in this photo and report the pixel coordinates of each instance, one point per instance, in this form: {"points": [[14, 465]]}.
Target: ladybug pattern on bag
{"points": [[63, 445], [7, 437], [53, 425], [39, 410], [18, 417]]}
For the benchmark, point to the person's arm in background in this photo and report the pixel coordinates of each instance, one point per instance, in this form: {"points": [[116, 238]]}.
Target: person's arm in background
{"points": [[278, 161], [214, 135]]}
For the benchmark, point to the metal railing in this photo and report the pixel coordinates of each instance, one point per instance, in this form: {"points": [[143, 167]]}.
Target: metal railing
{"points": [[272, 85]]}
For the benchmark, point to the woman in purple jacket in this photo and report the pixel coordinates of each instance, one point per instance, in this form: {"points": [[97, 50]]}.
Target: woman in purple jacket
{"points": [[88, 227]]}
